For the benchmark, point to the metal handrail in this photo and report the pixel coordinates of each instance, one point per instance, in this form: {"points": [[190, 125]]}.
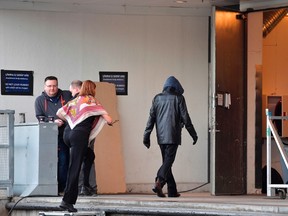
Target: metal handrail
{"points": [[271, 129]]}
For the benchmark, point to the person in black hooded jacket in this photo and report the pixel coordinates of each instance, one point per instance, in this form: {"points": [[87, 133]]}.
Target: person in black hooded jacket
{"points": [[169, 114], [46, 105]]}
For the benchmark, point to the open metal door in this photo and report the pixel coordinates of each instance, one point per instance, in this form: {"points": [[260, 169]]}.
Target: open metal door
{"points": [[230, 105]]}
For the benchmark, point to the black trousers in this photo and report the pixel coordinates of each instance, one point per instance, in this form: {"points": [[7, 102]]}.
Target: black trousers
{"points": [[87, 165], [78, 142], [164, 173]]}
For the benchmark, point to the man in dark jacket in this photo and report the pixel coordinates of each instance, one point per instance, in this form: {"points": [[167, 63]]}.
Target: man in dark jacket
{"points": [[169, 114], [46, 105]]}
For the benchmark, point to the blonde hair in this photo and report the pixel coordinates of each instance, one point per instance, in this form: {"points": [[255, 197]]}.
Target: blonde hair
{"points": [[88, 88]]}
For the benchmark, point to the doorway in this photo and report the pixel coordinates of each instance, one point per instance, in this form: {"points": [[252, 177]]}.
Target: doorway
{"points": [[230, 107]]}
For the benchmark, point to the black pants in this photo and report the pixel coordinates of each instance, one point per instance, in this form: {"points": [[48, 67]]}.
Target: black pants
{"points": [[87, 165], [164, 173], [78, 142]]}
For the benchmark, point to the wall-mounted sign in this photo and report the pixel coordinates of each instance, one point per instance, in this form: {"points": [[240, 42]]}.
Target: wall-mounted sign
{"points": [[120, 79], [16, 82]]}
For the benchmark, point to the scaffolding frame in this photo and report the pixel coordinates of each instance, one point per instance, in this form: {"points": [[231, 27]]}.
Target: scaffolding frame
{"points": [[6, 152], [270, 129]]}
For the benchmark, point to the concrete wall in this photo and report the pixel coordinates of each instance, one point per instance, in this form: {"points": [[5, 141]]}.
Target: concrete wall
{"points": [[149, 48], [254, 54]]}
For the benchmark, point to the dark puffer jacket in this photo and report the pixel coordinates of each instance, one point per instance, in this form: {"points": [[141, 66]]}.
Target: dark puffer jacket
{"points": [[169, 114]]}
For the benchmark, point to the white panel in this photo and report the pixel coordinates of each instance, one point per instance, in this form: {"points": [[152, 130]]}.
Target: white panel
{"points": [[150, 48]]}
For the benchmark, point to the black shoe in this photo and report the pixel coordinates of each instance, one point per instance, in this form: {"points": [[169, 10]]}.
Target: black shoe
{"points": [[67, 206], [87, 191], [93, 190], [158, 189], [174, 195]]}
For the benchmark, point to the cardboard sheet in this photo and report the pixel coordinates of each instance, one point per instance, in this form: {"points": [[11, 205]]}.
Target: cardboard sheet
{"points": [[109, 161]]}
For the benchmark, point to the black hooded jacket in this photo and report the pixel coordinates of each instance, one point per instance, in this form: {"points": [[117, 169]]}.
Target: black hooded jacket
{"points": [[47, 106], [169, 114]]}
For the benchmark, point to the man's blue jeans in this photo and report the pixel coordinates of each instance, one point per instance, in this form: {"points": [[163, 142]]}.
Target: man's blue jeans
{"points": [[63, 164]]}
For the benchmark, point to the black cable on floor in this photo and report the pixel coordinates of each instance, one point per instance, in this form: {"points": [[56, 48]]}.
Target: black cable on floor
{"points": [[194, 188], [11, 210]]}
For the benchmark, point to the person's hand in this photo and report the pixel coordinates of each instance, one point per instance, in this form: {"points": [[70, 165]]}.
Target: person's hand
{"points": [[108, 119], [59, 122], [112, 122], [195, 138], [146, 143]]}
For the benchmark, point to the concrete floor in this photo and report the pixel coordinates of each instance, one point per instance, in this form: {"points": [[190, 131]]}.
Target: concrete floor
{"points": [[150, 204]]}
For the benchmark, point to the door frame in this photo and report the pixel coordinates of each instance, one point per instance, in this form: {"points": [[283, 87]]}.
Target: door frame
{"points": [[212, 104]]}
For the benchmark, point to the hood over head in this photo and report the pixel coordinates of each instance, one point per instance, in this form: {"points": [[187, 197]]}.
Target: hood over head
{"points": [[173, 85]]}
